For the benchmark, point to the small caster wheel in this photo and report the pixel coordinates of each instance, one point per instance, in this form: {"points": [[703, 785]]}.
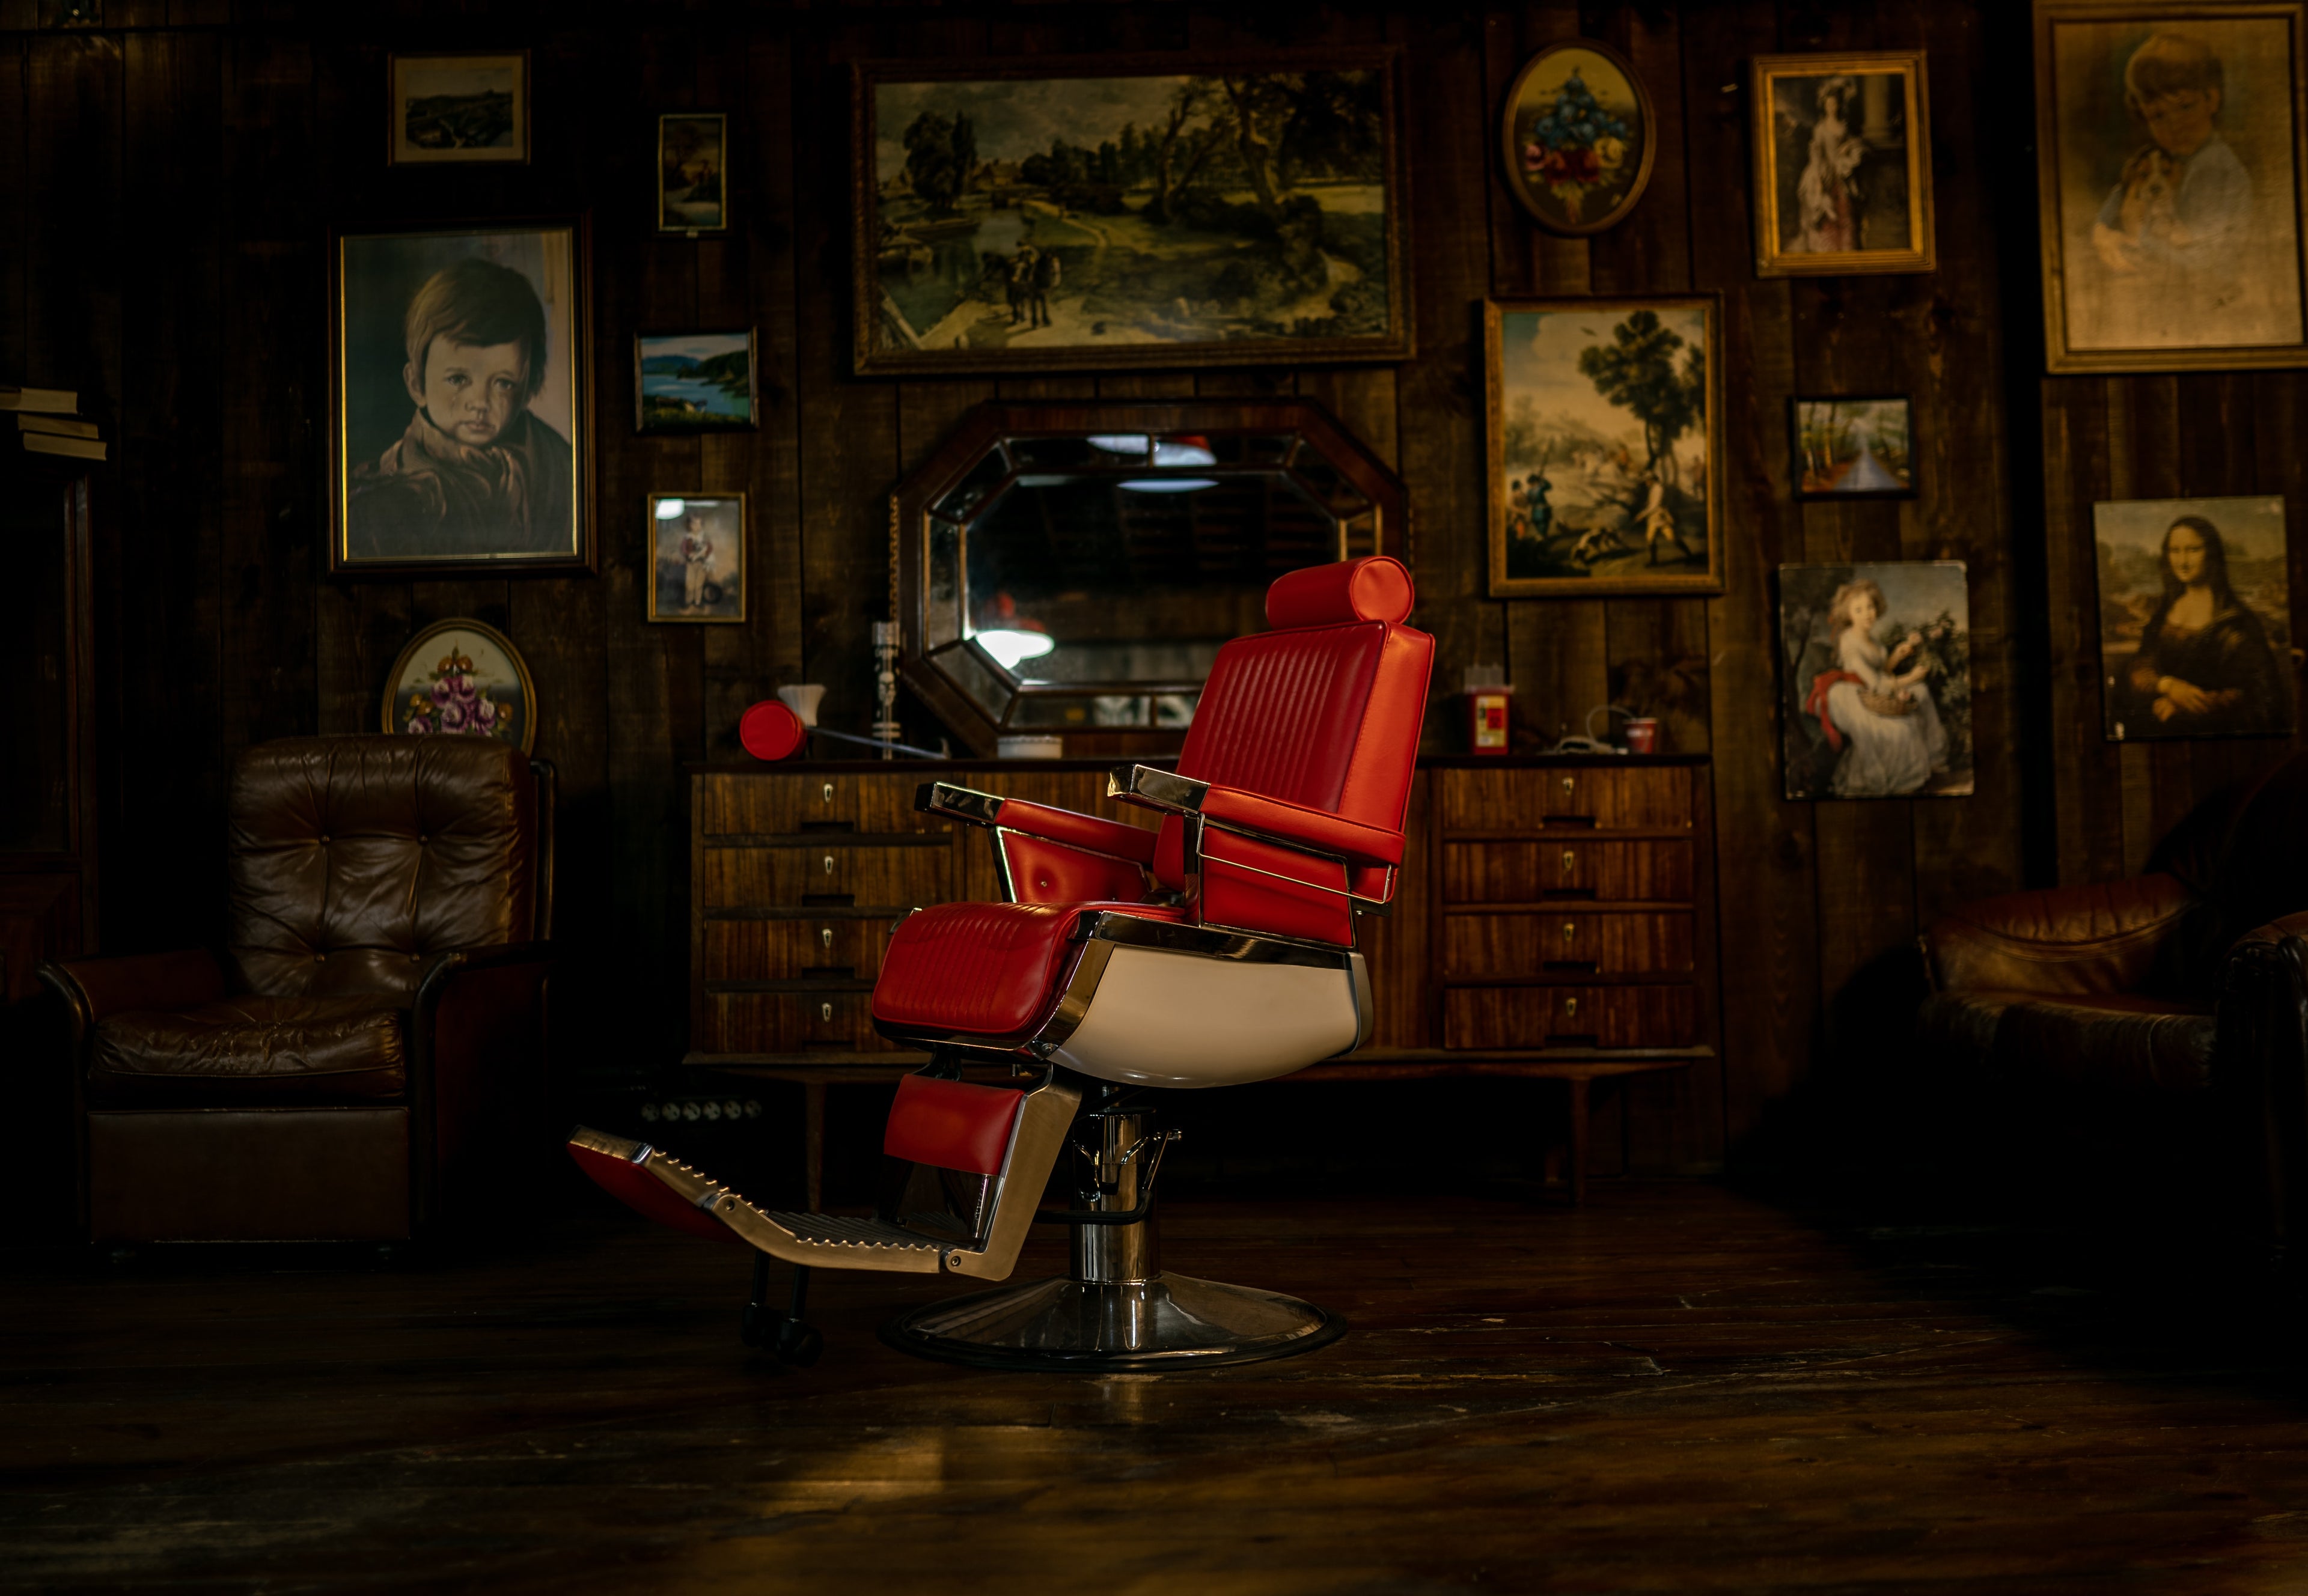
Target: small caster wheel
{"points": [[797, 1344]]}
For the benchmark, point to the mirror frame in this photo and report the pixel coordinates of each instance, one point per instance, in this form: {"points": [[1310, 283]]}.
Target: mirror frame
{"points": [[977, 433]]}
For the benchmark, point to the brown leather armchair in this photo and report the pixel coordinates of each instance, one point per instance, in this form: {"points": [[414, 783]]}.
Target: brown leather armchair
{"points": [[368, 1051], [2177, 999]]}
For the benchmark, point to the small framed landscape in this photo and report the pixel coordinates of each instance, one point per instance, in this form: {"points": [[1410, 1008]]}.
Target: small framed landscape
{"points": [[1605, 437], [461, 679], [1579, 137], [697, 565], [1117, 213], [464, 107], [692, 158], [1843, 165], [694, 381], [1853, 448], [1876, 680], [2195, 618]]}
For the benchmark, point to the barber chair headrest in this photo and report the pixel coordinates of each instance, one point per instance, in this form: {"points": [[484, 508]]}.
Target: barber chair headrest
{"points": [[1375, 588]]}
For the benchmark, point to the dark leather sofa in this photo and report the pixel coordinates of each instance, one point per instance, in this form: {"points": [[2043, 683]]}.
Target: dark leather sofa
{"points": [[368, 1051], [2176, 1001]]}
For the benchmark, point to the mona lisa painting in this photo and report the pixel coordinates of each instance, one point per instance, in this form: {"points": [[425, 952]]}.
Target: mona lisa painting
{"points": [[2194, 618]]}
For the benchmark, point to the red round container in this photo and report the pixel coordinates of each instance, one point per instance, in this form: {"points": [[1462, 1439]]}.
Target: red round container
{"points": [[770, 731]]}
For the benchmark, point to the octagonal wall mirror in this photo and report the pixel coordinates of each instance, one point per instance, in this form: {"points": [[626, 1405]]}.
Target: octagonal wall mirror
{"points": [[1072, 569]]}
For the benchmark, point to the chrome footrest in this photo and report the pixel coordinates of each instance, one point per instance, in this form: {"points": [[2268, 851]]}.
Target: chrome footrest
{"points": [[832, 1229]]}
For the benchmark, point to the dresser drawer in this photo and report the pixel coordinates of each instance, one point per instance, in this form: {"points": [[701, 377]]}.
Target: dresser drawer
{"points": [[1595, 871], [792, 1022], [1504, 946], [1520, 1017], [827, 873], [845, 949], [1606, 798], [783, 803]]}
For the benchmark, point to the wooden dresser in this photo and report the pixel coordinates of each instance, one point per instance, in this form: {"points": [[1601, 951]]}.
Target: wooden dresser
{"points": [[1555, 919]]}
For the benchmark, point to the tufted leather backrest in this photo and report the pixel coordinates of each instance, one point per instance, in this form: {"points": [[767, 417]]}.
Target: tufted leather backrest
{"points": [[353, 860], [1325, 713]]}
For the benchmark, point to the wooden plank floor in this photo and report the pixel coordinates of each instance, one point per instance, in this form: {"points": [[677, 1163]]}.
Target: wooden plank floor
{"points": [[1681, 1388]]}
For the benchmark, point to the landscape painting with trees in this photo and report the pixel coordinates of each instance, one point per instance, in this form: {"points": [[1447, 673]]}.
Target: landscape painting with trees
{"points": [[1604, 421], [1853, 449], [1110, 218]]}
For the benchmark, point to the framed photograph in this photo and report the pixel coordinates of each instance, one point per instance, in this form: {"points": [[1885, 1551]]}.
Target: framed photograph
{"points": [[699, 560], [1605, 431], [1117, 212], [1843, 164], [1578, 135], [1877, 690], [457, 426], [461, 679], [2169, 165], [1853, 448], [692, 154], [2195, 618], [694, 381], [457, 107]]}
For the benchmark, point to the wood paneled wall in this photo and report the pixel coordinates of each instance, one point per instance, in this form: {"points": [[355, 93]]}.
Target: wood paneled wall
{"points": [[166, 185]]}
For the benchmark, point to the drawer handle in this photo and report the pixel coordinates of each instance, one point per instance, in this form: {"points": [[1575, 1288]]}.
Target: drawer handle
{"points": [[826, 936], [825, 1011], [829, 792], [829, 865]]}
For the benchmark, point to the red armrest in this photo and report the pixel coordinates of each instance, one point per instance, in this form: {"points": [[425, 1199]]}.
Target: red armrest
{"points": [[1308, 828], [1092, 832], [2073, 940]]}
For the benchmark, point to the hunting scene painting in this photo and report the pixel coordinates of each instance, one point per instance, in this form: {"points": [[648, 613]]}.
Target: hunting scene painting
{"points": [[1602, 443], [1877, 690], [2194, 618], [1016, 222]]}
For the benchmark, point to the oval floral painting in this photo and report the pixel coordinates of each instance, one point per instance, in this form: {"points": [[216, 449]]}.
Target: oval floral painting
{"points": [[1578, 132], [461, 679]]}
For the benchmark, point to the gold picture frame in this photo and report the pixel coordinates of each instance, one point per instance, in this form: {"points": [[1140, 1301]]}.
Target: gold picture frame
{"points": [[1590, 480], [693, 578], [1031, 248], [478, 673], [1562, 149], [693, 173], [2172, 237], [456, 107], [1832, 199]]}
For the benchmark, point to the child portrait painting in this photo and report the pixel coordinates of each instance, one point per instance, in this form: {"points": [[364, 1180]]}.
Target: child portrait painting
{"points": [[699, 570], [1878, 682], [459, 399], [2170, 155], [2195, 618]]}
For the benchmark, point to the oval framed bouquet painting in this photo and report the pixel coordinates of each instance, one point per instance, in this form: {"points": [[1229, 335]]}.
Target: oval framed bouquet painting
{"points": [[1578, 133], [461, 679]]}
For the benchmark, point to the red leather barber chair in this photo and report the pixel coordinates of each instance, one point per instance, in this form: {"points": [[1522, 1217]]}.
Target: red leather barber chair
{"points": [[1216, 951]]}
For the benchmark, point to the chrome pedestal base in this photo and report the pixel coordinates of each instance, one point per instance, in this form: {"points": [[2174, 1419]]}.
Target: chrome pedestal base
{"points": [[1170, 1321]]}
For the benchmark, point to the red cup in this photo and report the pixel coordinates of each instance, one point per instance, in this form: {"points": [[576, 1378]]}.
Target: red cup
{"points": [[1643, 736], [772, 732]]}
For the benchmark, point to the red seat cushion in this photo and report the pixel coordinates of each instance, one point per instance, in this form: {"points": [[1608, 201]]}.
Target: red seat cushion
{"points": [[988, 970], [951, 1124]]}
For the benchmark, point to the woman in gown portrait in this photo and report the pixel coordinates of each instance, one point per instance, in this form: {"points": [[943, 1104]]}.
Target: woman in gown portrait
{"points": [[2204, 668], [1828, 192], [1895, 743]]}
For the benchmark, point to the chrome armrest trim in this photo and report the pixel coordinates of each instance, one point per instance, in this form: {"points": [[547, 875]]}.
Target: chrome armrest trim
{"points": [[1110, 926], [1149, 788], [958, 803]]}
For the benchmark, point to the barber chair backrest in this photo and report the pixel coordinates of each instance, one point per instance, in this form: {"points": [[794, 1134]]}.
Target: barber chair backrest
{"points": [[1323, 710], [354, 859]]}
